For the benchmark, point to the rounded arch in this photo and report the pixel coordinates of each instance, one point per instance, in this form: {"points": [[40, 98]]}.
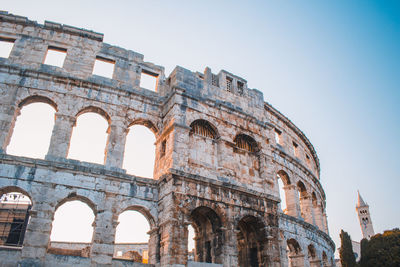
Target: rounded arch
{"points": [[74, 196], [246, 142], [283, 176], [94, 109], [37, 99], [204, 128], [209, 238], [11, 189], [314, 200], [142, 210], [144, 122], [251, 241], [293, 246], [302, 189], [312, 254]]}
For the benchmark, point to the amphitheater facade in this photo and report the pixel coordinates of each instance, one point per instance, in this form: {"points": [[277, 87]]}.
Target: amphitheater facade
{"points": [[220, 151]]}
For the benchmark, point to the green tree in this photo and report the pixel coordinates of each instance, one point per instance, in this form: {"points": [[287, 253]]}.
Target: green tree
{"points": [[347, 258], [381, 250]]}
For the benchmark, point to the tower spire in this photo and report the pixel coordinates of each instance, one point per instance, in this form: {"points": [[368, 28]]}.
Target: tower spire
{"points": [[364, 216]]}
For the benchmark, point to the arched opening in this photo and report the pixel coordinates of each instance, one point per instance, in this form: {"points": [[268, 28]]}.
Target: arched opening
{"points": [[251, 238], [208, 235], [33, 128], [72, 229], [325, 261], [191, 243], [302, 195], [295, 255], [140, 151], [283, 180], [246, 143], [203, 148], [312, 256], [14, 216], [131, 237], [203, 128], [89, 137]]}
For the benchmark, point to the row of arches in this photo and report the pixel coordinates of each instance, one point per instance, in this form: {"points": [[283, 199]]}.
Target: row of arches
{"points": [[35, 123], [297, 257], [298, 202], [72, 225]]}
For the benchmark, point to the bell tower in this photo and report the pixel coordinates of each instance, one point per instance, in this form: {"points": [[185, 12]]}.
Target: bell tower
{"points": [[364, 216]]}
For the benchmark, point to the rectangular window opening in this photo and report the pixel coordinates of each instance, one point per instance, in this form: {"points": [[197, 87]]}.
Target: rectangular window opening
{"points": [[240, 86], [55, 56], [149, 80], [295, 149], [6, 45], [214, 80], [308, 160], [228, 84], [163, 148], [104, 67], [278, 137]]}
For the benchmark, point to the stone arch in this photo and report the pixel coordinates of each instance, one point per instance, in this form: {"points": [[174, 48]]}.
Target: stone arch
{"points": [[312, 256], [37, 99], [16, 138], [204, 128], [142, 210], [209, 237], [246, 142], [15, 204], [283, 176], [74, 196], [303, 200], [252, 241], [145, 122], [96, 110], [295, 253]]}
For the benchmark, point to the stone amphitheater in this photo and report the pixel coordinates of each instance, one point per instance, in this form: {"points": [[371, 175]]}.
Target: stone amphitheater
{"points": [[220, 152]]}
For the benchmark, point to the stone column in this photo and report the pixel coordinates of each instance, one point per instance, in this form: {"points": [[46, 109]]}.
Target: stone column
{"points": [[61, 136], [8, 114], [103, 239], [307, 209], [297, 260], [318, 217], [115, 147], [37, 235], [154, 246], [315, 263], [325, 220], [292, 200]]}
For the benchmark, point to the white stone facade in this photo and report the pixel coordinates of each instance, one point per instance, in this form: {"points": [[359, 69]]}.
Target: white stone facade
{"points": [[216, 167]]}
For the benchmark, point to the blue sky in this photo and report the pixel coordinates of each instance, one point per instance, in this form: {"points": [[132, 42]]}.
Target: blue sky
{"points": [[332, 67]]}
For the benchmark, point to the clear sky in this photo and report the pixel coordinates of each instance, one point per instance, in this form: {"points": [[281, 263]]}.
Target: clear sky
{"points": [[332, 67]]}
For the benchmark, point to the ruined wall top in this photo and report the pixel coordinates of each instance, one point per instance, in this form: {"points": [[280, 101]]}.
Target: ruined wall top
{"points": [[83, 47]]}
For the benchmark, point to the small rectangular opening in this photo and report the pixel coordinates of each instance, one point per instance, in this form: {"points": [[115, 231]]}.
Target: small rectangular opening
{"points": [[295, 148], [228, 84], [308, 160], [148, 80], [240, 86], [278, 136], [55, 56], [6, 45], [104, 67], [163, 148]]}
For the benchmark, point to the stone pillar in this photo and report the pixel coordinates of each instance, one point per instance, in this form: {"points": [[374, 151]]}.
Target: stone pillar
{"points": [[325, 220], [154, 246], [307, 209], [37, 235], [103, 237], [115, 147], [318, 217], [61, 136], [8, 114], [292, 200], [172, 244], [297, 260], [315, 263]]}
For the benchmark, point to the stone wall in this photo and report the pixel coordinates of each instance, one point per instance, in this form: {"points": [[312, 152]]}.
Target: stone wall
{"points": [[220, 150]]}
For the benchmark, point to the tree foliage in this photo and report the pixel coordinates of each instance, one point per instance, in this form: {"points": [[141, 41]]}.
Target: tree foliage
{"points": [[347, 258], [381, 250]]}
